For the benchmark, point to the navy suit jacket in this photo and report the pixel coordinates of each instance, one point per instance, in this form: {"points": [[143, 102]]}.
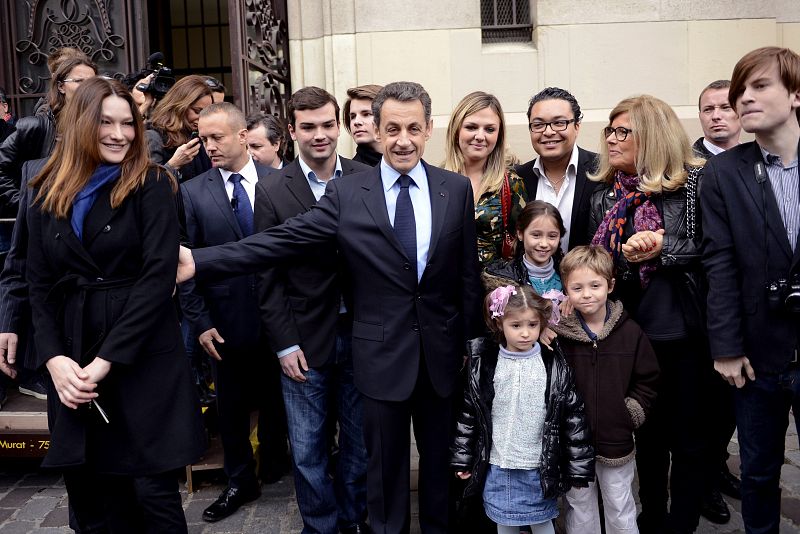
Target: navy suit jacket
{"points": [[581, 205], [229, 305], [396, 318], [745, 247], [299, 298]]}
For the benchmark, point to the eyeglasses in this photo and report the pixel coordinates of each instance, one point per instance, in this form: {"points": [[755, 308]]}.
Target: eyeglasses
{"points": [[557, 126], [74, 80], [620, 132]]}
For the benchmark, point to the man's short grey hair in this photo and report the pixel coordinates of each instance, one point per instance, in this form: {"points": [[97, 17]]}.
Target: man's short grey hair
{"points": [[402, 92], [235, 115]]}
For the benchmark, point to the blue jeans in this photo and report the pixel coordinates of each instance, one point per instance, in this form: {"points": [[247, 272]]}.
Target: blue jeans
{"points": [[762, 417], [327, 505]]}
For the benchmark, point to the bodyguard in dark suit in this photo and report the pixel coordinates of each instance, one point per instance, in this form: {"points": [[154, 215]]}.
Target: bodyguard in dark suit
{"points": [[721, 130], [751, 221], [718, 118], [406, 233], [219, 209], [558, 175], [309, 327]]}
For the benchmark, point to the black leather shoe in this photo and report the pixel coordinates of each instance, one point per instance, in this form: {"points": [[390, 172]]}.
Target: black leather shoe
{"points": [[729, 484], [361, 528], [229, 501], [715, 509]]}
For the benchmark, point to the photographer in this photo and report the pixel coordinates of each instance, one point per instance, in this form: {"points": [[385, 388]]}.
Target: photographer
{"points": [[172, 123], [751, 219]]}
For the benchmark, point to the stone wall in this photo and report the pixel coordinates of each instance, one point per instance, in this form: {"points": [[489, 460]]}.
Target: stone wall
{"points": [[600, 50]]}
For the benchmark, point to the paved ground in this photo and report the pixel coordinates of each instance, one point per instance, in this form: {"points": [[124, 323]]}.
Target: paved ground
{"points": [[32, 501]]}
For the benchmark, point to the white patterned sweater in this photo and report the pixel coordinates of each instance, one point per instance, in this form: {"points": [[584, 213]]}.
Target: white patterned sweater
{"points": [[518, 409]]}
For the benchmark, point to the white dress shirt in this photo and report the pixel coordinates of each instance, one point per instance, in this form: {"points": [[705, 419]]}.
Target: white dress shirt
{"points": [[249, 180], [565, 198]]}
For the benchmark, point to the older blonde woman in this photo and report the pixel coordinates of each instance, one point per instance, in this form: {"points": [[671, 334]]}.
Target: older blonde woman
{"points": [[476, 148], [647, 217]]}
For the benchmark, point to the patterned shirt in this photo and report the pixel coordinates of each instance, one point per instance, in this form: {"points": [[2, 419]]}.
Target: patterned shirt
{"points": [[489, 219], [518, 409]]}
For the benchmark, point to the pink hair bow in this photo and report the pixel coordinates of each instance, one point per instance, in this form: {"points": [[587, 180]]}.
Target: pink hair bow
{"points": [[556, 297], [500, 298]]}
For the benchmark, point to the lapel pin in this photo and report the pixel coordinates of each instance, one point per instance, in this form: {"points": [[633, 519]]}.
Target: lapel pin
{"points": [[441, 193]]}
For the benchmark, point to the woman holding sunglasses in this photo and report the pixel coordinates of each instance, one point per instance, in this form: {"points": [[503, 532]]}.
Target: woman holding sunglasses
{"points": [[647, 216]]}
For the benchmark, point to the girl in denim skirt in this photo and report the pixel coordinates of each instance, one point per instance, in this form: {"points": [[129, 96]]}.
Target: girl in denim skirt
{"points": [[522, 439]]}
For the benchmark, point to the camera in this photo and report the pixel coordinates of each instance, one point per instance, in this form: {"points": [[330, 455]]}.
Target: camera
{"points": [[162, 81], [783, 294]]}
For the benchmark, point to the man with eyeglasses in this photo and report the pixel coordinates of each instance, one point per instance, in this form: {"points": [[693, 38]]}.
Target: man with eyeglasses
{"points": [[558, 175], [721, 128]]}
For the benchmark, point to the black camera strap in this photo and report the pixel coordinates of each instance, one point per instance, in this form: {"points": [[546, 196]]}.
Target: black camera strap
{"points": [[761, 176]]}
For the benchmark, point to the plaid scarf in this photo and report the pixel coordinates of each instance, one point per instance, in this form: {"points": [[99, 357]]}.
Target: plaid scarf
{"points": [[610, 234]]}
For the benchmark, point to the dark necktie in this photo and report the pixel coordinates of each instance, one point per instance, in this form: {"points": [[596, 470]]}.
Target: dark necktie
{"points": [[405, 227], [241, 205]]}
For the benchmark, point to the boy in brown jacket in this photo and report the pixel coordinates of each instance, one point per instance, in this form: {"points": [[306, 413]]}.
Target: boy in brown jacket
{"points": [[616, 373]]}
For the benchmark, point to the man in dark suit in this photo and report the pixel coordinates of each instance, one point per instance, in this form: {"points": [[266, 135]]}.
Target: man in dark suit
{"points": [[219, 209], [308, 327], [751, 221], [405, 231], [558, 175], [720, 123], [721, 130]]}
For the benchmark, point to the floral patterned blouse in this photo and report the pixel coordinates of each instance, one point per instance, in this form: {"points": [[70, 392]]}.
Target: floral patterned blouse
{"points": [[489, 218]]}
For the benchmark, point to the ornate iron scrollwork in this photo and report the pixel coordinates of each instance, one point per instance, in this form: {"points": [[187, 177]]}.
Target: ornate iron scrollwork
{"points": [[267, 52], [86, 26]]}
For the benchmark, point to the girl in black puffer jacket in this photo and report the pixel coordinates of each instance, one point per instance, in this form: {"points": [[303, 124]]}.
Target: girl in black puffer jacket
{"points": [[522, 439]]}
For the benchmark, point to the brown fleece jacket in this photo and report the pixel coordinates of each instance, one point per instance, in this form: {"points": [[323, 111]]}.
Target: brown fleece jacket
{"points": [[617, 377]]}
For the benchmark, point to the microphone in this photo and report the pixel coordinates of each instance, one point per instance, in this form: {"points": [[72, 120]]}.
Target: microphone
{"points": [[234, 203], [761, 172]]}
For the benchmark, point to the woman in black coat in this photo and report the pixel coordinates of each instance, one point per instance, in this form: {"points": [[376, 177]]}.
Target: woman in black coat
{"points": [[122, 410]]}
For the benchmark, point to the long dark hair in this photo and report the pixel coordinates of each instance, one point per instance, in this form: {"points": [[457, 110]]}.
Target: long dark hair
{"points": [[77, 155], [532, 211]]}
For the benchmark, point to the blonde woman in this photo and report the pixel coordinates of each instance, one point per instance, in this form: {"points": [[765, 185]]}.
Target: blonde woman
{"points": [[476, 148], [647, 216]]}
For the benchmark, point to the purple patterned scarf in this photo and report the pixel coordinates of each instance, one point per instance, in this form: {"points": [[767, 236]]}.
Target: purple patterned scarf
{"points": [[645, 217]]}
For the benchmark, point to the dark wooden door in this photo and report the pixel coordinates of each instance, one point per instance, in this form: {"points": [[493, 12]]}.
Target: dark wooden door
{"points": [[111, 32], [260, 55]]}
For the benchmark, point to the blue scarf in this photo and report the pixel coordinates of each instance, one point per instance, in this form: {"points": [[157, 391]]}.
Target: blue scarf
{"points": [[84, 200]]}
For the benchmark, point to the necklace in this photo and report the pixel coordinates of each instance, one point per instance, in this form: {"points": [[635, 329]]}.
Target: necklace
{"points": [[557, 183]]}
